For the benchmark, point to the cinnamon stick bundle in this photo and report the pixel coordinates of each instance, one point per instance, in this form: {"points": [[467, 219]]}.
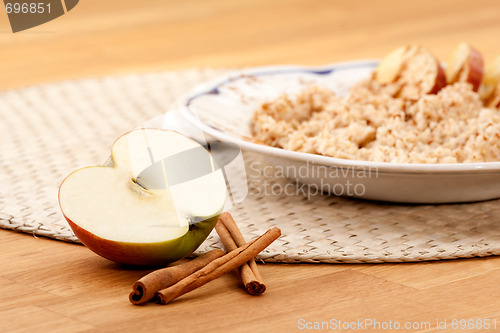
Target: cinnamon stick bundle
{"points": [[231, 238], [219, 266], [145, 289]]}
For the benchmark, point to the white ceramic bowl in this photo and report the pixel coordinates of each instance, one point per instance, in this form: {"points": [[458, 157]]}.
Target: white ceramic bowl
{"points": [[223, 109]]}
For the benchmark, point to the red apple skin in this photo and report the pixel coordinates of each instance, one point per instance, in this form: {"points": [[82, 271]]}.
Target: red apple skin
{"points": [[476, 69], [440, 79], [470, 71], [147, 254], [395, 67]]}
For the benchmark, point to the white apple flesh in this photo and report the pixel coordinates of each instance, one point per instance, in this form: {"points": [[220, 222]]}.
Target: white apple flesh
{"points": [[391, 66], [489, 89], [494, 99], [142, 210]]}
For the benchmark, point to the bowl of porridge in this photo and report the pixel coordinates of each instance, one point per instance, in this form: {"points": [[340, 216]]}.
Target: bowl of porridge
{"points": [[402, 129]]}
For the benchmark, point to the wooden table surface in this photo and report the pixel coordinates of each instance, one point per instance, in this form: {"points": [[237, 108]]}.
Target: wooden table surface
{"points": [[49, 285]]}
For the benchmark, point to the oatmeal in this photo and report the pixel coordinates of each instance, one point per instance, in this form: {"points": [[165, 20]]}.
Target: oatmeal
{"points": [[371, 124]]}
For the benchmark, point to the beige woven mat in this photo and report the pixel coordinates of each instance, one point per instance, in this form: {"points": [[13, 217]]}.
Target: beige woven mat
{"points": [[50, 130]]}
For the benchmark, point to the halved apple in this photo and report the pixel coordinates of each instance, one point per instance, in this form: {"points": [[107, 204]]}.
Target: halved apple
{"points": [[156, 201], [465, 64], [422, 75], [413, 70]]}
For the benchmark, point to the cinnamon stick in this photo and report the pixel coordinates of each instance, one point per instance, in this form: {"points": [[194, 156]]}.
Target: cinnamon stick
{"points": [[219, 266], [145, 288], [231, 238]]}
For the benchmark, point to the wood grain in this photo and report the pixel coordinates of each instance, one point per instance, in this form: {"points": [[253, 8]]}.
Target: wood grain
{"points": [[53, 286]]}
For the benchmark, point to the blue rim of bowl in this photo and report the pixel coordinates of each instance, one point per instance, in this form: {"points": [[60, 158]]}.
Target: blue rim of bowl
{"points": [[212, 88]]}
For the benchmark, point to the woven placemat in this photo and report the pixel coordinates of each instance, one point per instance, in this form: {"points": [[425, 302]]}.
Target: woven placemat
{"points": [[50, 130]]}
